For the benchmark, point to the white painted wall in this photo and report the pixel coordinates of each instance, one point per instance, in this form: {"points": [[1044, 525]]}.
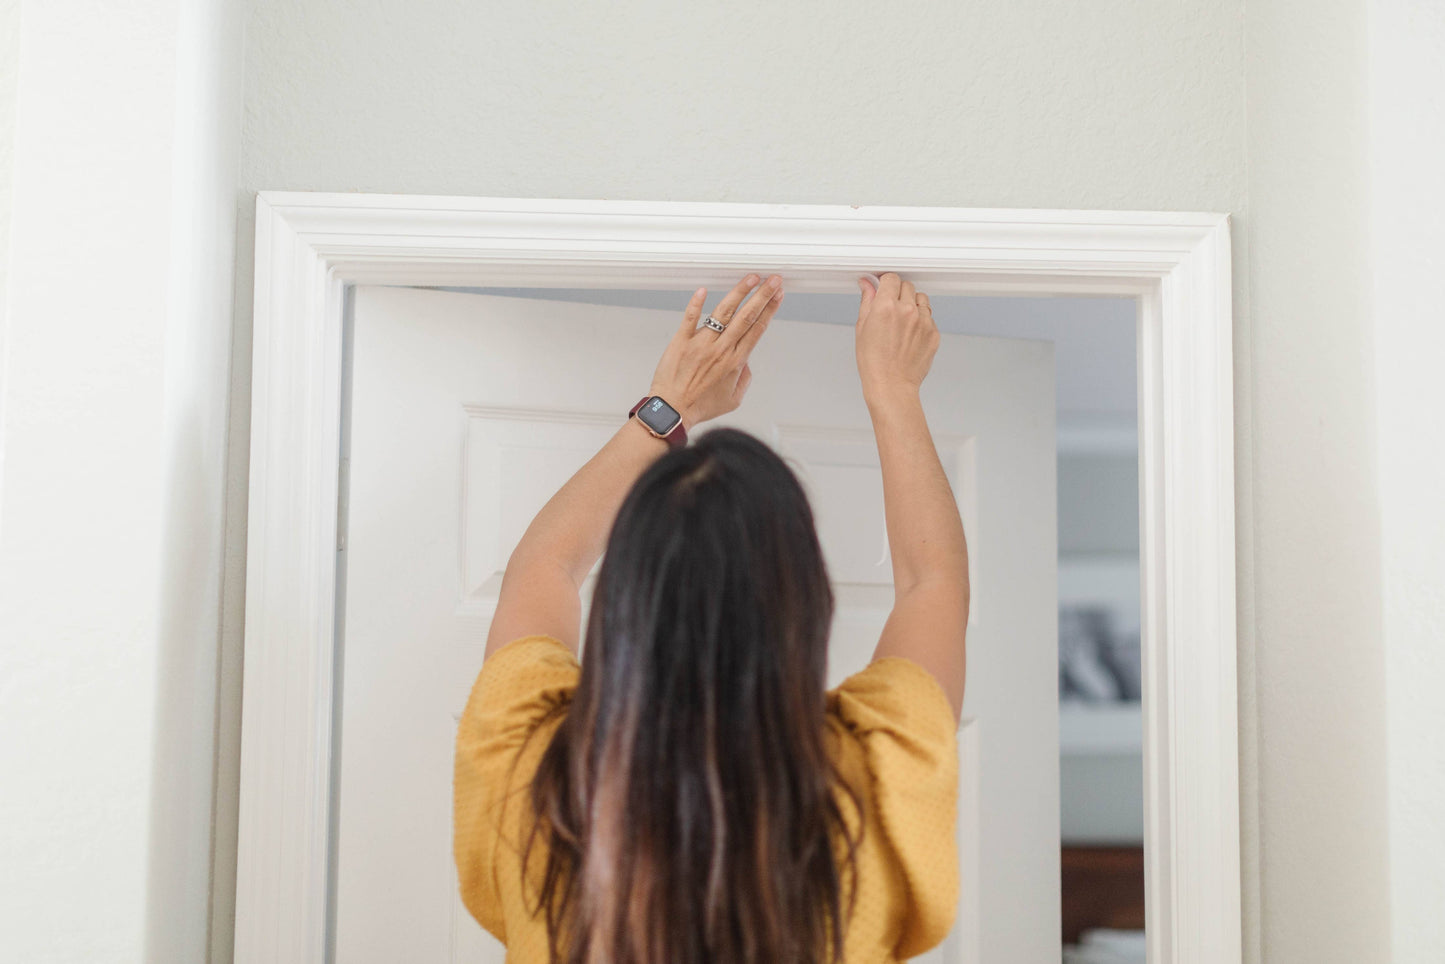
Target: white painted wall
{"points": [[9, 50], [110, 427], [113, 423], [1311, 597], [1407, 117]]}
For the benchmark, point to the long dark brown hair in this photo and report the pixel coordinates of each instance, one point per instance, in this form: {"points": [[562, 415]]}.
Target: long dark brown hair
{"points": [[688, 808]]}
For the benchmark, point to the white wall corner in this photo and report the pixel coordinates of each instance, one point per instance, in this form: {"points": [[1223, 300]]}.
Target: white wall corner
{"points": [[1407, 253], [116, 334]]}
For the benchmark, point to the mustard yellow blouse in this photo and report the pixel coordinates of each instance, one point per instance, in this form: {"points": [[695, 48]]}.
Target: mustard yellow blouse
{"points": [[890, 729]]}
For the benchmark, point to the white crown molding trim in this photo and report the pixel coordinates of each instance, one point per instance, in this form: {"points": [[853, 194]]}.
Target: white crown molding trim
{"points": [[310, 246]]}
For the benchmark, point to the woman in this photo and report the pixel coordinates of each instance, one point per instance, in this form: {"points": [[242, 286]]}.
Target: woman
{"points": [[689, 792]]}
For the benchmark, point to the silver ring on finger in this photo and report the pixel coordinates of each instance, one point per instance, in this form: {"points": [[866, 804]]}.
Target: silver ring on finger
{"points": [[714, 324]]}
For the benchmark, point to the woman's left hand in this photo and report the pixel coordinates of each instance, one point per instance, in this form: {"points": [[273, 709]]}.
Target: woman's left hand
{"points": [[704, 373]]}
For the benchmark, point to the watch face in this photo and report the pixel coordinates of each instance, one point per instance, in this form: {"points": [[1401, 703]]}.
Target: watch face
{"points": [[658, 415]]}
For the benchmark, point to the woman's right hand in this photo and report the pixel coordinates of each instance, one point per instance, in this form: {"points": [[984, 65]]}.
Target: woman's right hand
{"points": [[895, 339]]}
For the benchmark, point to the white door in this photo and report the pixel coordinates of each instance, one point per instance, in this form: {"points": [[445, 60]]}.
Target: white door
{"points": [[469, 411]]}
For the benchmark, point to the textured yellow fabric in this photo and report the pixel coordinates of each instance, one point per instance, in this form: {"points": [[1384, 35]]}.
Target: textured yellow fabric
{"points": [[890, 730]]}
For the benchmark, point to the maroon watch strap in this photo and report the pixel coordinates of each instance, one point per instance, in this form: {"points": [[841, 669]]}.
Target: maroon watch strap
{"points": [[677, 437]]}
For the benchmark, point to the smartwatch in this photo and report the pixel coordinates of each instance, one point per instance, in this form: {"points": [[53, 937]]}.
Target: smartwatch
{"points": [[661, 419]]}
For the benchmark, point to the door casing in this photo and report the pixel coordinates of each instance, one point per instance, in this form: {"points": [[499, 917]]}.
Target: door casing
{"points": [[311, 246]]}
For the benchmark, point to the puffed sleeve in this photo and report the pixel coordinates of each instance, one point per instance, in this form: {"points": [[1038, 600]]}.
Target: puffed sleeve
{"points": [[900, 714], [520, 686]]}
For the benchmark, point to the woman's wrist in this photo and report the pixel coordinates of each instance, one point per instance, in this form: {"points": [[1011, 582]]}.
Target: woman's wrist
{"points": [[659, 444], [882, 400], [684, 409]]}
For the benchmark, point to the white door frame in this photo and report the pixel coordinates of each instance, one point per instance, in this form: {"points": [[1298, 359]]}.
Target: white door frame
{"points": [[310, 246]]}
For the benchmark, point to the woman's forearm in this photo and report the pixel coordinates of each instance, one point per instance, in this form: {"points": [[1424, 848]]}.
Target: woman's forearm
{"points": [[703, 373], [570, 531], [925, 533], [541, 586]]}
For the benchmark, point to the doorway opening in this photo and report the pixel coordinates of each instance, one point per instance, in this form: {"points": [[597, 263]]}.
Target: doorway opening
{"points": [[311, 247], [1098, 794]]}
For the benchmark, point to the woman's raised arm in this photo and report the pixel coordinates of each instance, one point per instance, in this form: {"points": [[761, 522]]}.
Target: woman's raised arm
{"points": [[896, 339], [702, 374]]}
